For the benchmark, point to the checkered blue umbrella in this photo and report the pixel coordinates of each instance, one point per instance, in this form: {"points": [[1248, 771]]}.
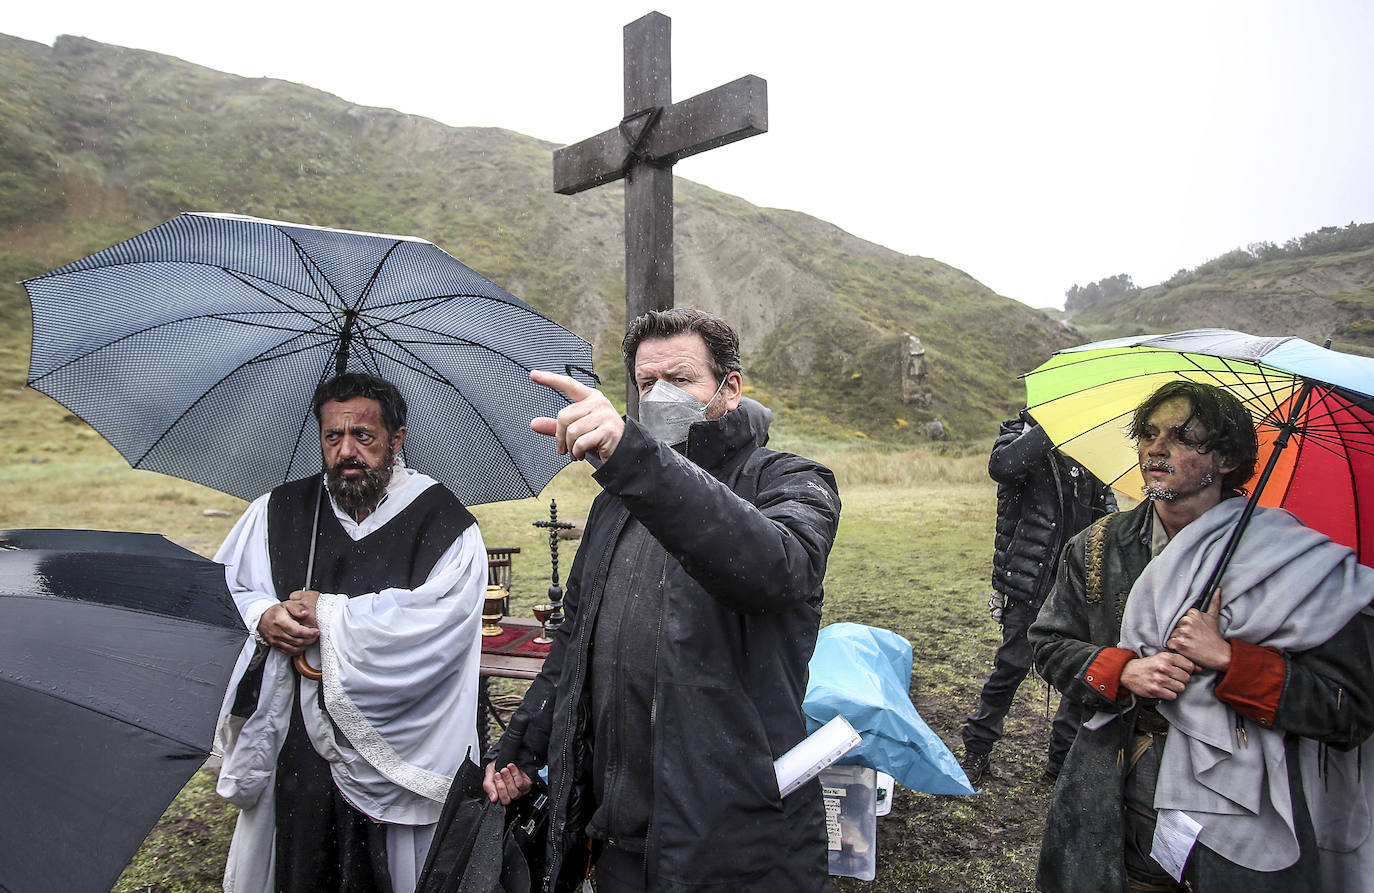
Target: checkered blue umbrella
{"points": [[195, 348]]}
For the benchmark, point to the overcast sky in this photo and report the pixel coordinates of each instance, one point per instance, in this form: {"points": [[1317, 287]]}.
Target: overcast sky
{"points": [[1032, 145]]}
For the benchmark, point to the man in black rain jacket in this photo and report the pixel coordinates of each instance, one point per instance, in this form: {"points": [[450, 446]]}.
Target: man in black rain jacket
{"points": [[692, 611]]}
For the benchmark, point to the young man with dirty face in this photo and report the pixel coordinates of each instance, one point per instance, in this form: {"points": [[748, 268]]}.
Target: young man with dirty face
{"points": [[1186, 774]]}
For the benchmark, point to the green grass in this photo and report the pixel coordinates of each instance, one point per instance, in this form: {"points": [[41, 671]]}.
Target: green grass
{"points": [[912, 555]]}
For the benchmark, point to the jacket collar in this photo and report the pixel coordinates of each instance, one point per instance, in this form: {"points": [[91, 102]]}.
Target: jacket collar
{"points": [[710, 443]]}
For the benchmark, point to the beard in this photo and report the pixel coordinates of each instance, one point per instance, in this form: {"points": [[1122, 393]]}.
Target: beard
{"points": [[1156, 491], [359, 495]]}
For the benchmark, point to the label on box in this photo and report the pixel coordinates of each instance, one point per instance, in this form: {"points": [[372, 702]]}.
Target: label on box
{"points": [[832, 823]]}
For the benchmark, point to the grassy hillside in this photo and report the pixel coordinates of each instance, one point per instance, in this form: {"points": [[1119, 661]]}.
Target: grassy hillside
{"points": [[98, 143], [1318, 286]]}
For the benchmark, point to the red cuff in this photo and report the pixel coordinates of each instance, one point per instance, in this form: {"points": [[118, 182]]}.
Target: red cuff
{"points": [[1104, 673], [1254, 681]]}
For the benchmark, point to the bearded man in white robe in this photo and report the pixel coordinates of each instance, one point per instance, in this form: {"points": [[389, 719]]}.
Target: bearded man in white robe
{"points": [[374, 574]]}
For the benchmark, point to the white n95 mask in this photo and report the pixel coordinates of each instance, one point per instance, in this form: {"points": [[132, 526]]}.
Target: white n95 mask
{"points": [[668, 411]]}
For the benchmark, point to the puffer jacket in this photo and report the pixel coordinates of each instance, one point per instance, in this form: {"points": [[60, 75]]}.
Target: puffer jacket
{"points": [[1043, 499], [747, 532]]}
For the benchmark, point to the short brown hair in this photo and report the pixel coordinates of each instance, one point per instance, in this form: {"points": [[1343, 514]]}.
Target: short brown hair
{"points": [[721, 341]]}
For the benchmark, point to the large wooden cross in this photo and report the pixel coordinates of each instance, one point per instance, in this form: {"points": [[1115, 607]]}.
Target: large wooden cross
{"points": [[654, 134]]}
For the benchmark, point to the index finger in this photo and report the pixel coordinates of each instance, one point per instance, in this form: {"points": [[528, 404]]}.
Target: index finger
{"points": [[571, 388]]}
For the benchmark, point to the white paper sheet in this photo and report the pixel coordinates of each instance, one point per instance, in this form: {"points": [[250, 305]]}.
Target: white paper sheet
{"points": [[814, 752], [1175, 835]]}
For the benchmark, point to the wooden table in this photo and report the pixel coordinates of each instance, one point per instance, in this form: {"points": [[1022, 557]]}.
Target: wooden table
{"points": [[512, 666]]}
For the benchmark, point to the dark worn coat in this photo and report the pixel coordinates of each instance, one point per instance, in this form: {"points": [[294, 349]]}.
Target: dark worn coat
{"points": [[1043, 498], [741, 609], [1082, 848]]}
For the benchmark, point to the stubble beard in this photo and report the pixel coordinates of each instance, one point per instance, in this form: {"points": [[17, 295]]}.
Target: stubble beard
{"points": [[1157, 492], [359, 495]]}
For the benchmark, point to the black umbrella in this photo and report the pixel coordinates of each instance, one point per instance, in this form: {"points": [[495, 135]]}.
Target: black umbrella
{"points": [[195, 348], [115, 652], [481, 847]]}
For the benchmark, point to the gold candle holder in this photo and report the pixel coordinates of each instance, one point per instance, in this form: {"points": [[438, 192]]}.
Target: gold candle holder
{"points": [[493, 610]]}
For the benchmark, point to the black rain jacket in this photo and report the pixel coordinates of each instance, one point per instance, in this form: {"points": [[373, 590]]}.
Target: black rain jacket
{"points": [[747, 532]]}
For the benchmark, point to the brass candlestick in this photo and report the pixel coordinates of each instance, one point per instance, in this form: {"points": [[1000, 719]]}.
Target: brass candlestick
{"points": [[493, 609], [553, 525]]}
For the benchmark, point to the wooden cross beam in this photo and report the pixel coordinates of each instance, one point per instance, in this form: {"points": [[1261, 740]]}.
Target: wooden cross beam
{"points": [[654, 134]]}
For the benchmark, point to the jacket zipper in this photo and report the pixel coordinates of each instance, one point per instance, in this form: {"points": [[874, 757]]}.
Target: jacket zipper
{"points": [[559, 804], [653, 708]]}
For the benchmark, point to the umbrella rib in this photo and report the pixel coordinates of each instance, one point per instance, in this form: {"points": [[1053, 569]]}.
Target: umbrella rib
{"points": [[515, 304], [48, 692], [277, 354], [376, 271], [311, 268], [144, 331], [180, 262], [457, 342], [319, 326], [196, 402], [334, 316], [1241, 372], [1267, 399], [1349, 467], [367, 323], [437, 300], [244, 279], [241, 276], [1325, 435], [184, 319]]}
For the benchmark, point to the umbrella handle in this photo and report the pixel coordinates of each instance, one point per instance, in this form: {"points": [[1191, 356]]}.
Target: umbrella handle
{"points": [[303, 667], [299, 662]]}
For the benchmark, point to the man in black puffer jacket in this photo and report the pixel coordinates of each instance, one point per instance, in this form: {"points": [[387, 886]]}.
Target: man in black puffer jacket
{"points": [[1043, 499], [692, 610]]}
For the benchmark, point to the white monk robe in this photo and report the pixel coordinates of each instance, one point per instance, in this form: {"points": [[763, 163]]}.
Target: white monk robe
{"points": [[400, 678]]}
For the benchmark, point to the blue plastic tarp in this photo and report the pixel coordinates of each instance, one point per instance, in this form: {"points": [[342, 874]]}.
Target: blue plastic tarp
{"points": [[864, 674]]}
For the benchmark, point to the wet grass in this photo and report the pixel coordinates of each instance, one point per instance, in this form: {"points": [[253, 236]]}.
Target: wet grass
{"points": [[912, 555]]}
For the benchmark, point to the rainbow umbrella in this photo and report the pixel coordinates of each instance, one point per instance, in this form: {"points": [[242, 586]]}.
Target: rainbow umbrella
{"points": [[1313, 410]]}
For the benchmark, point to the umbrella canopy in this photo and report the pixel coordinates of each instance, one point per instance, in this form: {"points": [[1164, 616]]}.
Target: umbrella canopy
{"points": [[115, 652], [195, 348], [1084, 398]]}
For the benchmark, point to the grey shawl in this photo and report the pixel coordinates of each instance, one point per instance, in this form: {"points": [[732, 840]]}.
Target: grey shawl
{"points": [[1287, 587]]}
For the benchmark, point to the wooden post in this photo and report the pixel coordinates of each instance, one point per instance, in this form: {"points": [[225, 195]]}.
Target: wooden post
{"points": [[642, 149]]}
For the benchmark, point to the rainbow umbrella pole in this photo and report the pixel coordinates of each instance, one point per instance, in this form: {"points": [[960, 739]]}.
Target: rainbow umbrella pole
{"points": [[1313, 410]]}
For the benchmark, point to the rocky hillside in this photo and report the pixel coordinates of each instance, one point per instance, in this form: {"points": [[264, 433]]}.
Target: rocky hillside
{"points": [[99, 142], [1316, 286]]}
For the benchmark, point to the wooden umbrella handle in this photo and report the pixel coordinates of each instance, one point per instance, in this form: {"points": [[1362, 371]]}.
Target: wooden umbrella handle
{"points": [[303, 667]]}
